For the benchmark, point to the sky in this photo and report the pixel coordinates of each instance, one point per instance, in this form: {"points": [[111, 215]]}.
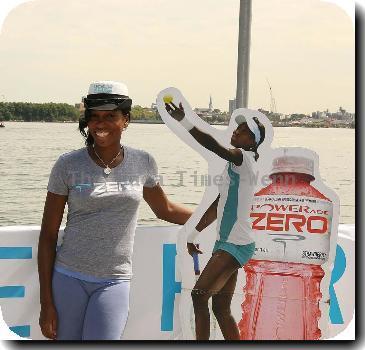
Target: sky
{"points": [[51, 50]]}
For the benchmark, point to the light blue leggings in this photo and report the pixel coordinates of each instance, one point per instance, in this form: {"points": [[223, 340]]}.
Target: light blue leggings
{"points": [[90, 311]]}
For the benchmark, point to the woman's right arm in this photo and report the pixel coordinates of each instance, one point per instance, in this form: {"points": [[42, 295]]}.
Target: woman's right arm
{"points": [[52, 218]]}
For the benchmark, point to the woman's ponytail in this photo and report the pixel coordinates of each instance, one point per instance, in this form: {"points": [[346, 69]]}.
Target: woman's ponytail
{"points": [[262, 137], [89, 140], [256, 154]]}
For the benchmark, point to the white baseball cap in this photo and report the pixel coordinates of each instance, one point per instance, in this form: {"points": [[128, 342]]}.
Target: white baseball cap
{"points": [[108, 87], [107, 95]]}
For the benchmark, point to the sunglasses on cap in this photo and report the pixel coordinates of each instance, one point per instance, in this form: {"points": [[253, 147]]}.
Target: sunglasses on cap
{"points": [[107, 103]]}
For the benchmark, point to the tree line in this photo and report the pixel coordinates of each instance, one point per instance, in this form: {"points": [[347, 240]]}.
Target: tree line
{"points": [[143, 113], [33, 112], [58, 112]]}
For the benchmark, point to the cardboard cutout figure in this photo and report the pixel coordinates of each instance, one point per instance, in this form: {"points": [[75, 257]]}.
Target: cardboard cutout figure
{"points": [[284, 288]]}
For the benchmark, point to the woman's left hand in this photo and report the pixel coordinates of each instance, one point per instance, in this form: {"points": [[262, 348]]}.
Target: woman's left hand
{"points": [[177, 113]]}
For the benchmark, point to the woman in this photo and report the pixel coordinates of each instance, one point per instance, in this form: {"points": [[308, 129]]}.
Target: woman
{"points": [[234, 245], [84, 287]]}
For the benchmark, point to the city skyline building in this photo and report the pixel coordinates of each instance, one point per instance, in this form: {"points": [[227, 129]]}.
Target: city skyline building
{"points": [[210, 103]]}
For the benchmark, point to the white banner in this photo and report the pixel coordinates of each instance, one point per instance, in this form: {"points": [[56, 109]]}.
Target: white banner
{"points": [[157, 295]]}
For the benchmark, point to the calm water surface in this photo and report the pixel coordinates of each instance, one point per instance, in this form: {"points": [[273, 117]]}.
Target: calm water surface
{"points": [[28, 151]]}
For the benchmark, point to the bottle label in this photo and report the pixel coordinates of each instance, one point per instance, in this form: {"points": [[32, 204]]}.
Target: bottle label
{"points": [[291, 228]]}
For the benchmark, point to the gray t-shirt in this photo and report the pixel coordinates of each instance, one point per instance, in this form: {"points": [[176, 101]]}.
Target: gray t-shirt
{"points": [[102, 211]]}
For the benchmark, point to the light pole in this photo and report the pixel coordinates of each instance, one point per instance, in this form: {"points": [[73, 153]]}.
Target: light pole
{"points": [[243, 57]]}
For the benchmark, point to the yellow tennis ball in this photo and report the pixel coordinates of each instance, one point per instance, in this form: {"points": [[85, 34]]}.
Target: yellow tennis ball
{"points": [[168, 98]]}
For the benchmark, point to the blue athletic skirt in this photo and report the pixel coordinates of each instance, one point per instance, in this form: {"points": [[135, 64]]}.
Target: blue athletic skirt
{"points": [[242, 253]]}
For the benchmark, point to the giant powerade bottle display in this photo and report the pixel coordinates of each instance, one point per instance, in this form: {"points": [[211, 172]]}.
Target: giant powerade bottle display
{"points": [[291, 225]]}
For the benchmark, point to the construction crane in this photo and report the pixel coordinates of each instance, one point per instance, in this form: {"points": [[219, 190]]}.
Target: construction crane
{"points": [[272, 99]]}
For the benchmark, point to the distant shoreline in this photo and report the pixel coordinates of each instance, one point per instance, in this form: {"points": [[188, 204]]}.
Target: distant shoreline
{"points": [[306, 126]]}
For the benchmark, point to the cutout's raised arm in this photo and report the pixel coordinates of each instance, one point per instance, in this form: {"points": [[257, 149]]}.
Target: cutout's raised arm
{"points": [[209, 142]]}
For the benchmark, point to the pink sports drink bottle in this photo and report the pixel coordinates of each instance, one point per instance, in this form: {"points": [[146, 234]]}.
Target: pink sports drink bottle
{"points": [[291, 224]]}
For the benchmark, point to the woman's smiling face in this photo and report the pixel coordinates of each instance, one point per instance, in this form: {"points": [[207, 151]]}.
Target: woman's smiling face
{"points": [[106, 127]]}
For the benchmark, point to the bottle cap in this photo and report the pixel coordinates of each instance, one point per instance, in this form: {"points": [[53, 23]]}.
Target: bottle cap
{"points": [[293, 164]]}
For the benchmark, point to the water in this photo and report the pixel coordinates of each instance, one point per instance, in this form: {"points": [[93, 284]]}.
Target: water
{"points": [[28, 151]]}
